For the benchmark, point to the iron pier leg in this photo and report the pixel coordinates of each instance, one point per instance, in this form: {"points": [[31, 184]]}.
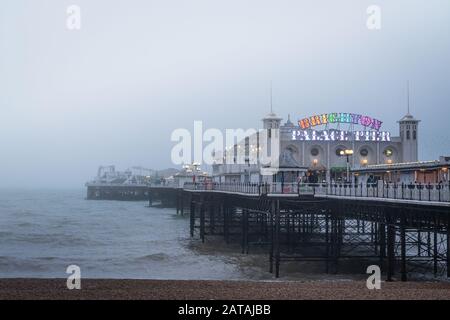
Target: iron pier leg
{"points": [[382, 236], [192, 217], [429, 243], [226, 223], [202, 222], [327, 242], [448, 246], [277, 239], [272, 238], [390, 251], [419, 243], [182, 204], [435, 250], [212, 220], [403, 249], [150, 202], [244, 221]]}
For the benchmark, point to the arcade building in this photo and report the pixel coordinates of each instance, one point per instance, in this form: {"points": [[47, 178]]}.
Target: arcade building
{"points": [[332, 147]]}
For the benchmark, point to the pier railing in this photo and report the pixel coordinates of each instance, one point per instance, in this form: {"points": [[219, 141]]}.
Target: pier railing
{"points": [[437, 192], [400, 191], [254, 188]]}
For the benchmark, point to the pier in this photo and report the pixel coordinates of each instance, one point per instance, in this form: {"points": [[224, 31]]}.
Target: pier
{"points": [[401, 228], [165, 196]]}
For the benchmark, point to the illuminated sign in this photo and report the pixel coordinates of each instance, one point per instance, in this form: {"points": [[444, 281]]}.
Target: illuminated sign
{"points": [[330, 118], [340, 135]]}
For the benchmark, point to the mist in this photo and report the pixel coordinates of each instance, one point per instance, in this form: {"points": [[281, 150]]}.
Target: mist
{"points": [[113, 91]]}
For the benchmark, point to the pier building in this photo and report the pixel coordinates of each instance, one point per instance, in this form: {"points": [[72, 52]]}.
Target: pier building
{"points": [[324, 148]]}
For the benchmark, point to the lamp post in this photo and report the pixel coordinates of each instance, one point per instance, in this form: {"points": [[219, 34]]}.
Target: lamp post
{"points": [[347, 153]]}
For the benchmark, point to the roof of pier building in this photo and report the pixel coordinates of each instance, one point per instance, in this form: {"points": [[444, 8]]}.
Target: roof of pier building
{"points": [[406, 166]]}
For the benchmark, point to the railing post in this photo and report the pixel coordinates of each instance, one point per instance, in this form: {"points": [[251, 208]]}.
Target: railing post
{"points": [[420, 192], [403, 191], [448, 186], [429, 192]]}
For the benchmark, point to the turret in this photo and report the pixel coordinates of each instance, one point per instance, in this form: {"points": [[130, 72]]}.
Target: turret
{"points": [[271, 121], [409, 135]]}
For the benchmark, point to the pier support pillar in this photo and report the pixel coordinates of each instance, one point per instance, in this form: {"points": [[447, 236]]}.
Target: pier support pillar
{"points": [[448, 246], [327, 241], [435, 249], [271, 235], [150, 201], [277, 238], [403, 249], [390, 251], [382, 243], [226, 223], [244, 221], [212, 220], [192, 217], [182, 203], [202, 222]]}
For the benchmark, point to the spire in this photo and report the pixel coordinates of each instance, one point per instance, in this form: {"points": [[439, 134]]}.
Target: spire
{"points": [[408, 116], [407, 96], [289, 122], [271, 98], [271, 115]]}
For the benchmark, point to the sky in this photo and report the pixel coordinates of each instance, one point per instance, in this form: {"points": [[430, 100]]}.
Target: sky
{"points": [[113, 91]]}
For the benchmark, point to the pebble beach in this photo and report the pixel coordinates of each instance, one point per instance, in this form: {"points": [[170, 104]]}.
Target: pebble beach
{"points": [[102, 289]]}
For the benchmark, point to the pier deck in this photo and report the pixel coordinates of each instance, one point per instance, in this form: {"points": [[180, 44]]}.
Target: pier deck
{"points": [[400, 229]]}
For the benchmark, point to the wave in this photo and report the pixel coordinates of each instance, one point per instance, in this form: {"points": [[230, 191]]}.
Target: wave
{"points": [[160, 256], [5, 234], [10, 264], [53, 239], [26, 224]]}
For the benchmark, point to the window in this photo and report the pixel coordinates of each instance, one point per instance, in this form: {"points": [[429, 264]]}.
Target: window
{"points": [[364, 152], [414, 135], [314, 152], [408, 135], [388, 152]]}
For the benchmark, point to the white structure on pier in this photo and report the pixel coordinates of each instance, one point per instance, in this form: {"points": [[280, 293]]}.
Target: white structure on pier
{"points": [[309, 154]]}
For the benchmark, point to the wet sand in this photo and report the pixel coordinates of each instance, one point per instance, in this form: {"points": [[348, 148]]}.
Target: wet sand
{"points": [[95, 289]]}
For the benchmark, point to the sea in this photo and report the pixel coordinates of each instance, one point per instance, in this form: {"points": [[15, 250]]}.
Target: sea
{"points": [[42, 232]]}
